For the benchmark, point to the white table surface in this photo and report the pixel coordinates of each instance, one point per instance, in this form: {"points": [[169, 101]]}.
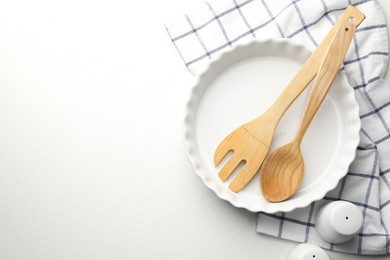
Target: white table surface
{"points": [[92, 165]]}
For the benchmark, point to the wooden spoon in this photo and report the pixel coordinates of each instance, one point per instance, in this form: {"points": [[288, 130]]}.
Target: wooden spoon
{"points": [[283, 169]]}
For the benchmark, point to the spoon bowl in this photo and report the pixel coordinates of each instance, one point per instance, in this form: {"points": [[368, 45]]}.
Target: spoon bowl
{"points": [[284, 168]]}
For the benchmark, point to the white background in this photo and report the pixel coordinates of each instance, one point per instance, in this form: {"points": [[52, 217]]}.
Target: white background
{"points": [[92, 165]]}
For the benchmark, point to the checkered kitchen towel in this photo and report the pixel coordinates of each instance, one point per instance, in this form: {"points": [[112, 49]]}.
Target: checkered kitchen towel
{"points": [[218, 25]]}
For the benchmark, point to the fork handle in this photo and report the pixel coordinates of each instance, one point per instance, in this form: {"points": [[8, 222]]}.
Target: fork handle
{"points": [[326, 74], [311, 66], [301, 80]]}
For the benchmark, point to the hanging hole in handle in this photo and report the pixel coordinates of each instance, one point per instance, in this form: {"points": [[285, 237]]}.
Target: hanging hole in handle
{"points": [[346, 29], [351, 19], [314, 256]]}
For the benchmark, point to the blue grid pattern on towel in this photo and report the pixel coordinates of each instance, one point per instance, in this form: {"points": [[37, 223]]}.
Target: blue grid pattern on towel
{"points": [[367, 183]]}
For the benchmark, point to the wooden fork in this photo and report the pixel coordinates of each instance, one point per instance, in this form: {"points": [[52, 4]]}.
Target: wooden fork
{"points": [[250, 142]]}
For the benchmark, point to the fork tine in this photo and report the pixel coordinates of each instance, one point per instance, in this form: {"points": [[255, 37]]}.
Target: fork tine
{"points": [[229, 167], [243, 177], [248, 171], [221, 151]]}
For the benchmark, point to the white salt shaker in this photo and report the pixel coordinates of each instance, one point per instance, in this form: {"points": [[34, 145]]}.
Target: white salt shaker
{"points": [[338, 222], [307, 251]]}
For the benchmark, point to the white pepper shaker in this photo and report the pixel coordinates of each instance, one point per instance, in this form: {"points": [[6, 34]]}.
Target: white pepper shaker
{"points": [[307, 251], [338, 222]]}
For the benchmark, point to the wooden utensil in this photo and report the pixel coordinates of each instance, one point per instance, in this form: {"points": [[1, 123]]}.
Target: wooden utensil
{"points": [[282, 171], [250, 142]]}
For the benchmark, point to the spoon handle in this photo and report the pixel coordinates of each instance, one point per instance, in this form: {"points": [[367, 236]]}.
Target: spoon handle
{"points": [[327, 72], [311, 66]]}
